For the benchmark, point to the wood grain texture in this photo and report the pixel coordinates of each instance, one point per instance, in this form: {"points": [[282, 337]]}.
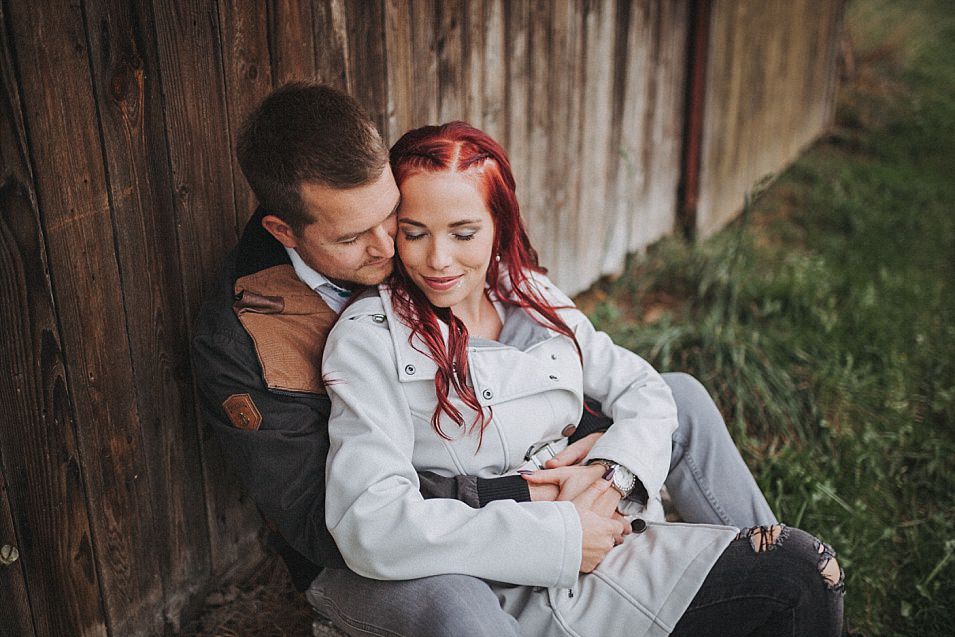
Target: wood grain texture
{"points": [[127, 88], [332, 65], [17, 618], [400, 69], [247, 66], [769, 93], [368, 81], [62, 129], [292, 41], [200, 152]]}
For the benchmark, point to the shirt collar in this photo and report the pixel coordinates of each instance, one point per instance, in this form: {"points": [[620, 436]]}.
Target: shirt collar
{"points": [[311, 277]]}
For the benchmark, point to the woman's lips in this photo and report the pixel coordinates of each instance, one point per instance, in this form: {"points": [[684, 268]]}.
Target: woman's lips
{"points": [[443, 283]]}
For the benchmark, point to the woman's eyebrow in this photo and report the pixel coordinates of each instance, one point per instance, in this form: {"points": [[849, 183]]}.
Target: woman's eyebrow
{"points": [[455, 224]]}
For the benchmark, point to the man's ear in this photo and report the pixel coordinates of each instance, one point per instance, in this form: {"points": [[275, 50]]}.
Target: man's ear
{"points": [[280, 230]]}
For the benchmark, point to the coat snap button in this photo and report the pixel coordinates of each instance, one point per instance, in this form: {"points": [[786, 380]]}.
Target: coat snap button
{"points": [[553, 357], [409, 370], [638, 525], [568, 431], [378, 318], [488, 394]]}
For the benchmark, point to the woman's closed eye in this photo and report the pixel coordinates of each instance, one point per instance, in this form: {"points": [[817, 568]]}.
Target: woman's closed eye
{"points": [[460, 236]]}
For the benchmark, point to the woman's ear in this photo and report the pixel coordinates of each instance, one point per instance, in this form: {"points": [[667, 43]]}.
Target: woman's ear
{"points": [[281, 230]]}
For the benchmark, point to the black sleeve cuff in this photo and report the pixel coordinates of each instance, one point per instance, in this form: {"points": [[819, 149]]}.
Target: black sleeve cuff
{"points": [[590, 422], [504, 488]]}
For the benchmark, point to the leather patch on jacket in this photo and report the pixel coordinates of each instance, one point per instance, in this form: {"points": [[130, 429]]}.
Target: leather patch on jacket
{"points": [[289, 323], [242, 411]]}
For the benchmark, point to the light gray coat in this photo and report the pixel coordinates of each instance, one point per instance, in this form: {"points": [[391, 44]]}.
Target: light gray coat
{"points": [[532, 381]]}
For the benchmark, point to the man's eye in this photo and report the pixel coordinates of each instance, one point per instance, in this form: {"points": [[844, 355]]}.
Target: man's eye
{"points": [[348, 242]]}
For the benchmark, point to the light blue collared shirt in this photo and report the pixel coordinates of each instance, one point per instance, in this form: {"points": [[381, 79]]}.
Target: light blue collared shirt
{"points": [[334, 296]]}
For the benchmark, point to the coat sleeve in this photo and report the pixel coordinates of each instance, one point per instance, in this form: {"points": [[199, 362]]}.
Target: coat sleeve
{"points": [[630, 391], [374, 508]]}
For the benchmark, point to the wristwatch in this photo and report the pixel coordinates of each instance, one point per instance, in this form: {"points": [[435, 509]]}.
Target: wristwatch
{"points": [[623, 479]]}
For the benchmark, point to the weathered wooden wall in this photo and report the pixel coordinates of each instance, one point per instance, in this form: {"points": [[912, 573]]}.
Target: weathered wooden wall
{"points": [[770, 91], [120, 194]]}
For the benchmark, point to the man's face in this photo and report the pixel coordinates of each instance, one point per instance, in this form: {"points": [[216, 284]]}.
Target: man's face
{"points": [[352, 237]]}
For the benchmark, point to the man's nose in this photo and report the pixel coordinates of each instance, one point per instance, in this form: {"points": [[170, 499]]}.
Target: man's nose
{"points": [[383, 243]]}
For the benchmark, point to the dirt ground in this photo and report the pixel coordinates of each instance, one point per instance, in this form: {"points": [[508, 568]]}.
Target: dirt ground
{"points": [[264, 605]]}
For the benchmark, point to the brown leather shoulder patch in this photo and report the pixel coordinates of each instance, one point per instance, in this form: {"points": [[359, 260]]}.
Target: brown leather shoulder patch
{"points": [[288, 323], [242, 411]]}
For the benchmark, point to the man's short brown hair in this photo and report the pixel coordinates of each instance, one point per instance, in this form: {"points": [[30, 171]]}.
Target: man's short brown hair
{"points": [[304, 132]]}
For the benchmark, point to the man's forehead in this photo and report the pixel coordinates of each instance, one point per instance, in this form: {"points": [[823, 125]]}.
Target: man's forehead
{"points": [[341, 211]]}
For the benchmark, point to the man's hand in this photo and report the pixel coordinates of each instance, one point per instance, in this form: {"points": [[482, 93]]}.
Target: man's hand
{"points": [[567, 483], [600, 533], [574, 453]]}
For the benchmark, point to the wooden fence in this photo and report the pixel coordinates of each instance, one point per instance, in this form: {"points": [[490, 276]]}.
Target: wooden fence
{"points": [[119, 195]]}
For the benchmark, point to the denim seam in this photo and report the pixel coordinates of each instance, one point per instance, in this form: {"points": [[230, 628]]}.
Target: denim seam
{"points": [[703, 486], [369, 629]]}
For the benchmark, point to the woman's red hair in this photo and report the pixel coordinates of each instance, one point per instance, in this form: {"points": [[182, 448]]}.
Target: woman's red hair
{"points": [[457, 147]]}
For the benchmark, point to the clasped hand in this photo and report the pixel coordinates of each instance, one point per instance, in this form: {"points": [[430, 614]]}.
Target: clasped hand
{"points": [[564, 478]]}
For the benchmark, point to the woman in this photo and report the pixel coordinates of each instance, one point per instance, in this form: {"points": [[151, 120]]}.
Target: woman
{"points": [[467, 361]]}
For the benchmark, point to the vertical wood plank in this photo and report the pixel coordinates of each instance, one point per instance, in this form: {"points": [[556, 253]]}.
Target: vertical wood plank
{"points": [[125, 69], [664, 120], [200, 151], [518, 68], [475, 21], [452, 85], [595, 144], [535, 202], [243, 36], [291, 34], [368, 82], [61, 126], [17, 618], [332, 65], [400, 68], [564, 175], [425, 61], [493, 68]]}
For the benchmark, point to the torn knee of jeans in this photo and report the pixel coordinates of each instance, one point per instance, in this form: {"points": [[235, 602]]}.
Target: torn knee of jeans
{"points": [[829, 568], [764, 538]]}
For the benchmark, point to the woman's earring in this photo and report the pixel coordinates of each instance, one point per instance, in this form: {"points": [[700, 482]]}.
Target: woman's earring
{"points": [[497, 258]]}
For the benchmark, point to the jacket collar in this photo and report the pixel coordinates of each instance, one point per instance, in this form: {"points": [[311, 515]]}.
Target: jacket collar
{"points": [[413, 360]]}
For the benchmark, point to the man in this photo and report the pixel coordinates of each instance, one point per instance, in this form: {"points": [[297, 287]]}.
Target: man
{"points": [[324, 229]]}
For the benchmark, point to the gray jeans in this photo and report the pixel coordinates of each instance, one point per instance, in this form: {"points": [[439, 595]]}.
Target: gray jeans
{"points": [[708, 483]]}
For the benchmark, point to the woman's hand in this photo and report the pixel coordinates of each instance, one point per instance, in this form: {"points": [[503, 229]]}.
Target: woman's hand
{"points": [[599, 532], [574, 453]]}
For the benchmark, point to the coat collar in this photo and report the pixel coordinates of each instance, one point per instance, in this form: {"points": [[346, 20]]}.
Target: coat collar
{"points": [[412, 357]]}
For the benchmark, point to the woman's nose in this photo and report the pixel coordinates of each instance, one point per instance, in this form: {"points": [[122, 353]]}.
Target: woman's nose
{"points": [[439, 257]]}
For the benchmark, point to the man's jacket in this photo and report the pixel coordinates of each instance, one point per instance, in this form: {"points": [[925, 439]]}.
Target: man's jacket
{"points": [[257, 351]]}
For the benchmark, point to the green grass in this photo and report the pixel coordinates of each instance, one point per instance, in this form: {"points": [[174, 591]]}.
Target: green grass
{"points": [[824, 324]]}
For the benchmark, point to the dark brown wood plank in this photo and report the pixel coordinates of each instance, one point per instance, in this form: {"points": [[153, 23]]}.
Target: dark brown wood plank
{"points": [[368, 79], [450, 41], [425, 61], [474, 50], [291, 34], [243, 35], [17, 618], [128, 95], [61, 124], [331, 44], [518, 86], [200, 151], [400, 68]]}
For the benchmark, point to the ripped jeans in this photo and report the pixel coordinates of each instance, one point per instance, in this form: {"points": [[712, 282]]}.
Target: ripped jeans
{"points": [[770, 582]]}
